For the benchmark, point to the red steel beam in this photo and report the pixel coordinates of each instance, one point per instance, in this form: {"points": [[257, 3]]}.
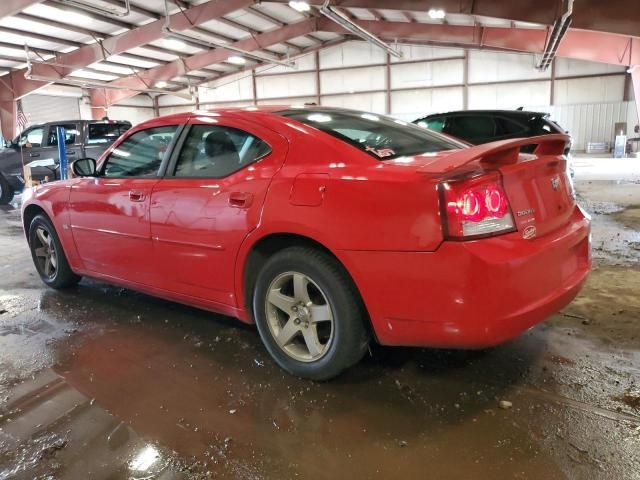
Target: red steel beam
{"points": [[7, 108], [104, 98], [613, 16], [117, 44], [11, 7], [579, 44]]}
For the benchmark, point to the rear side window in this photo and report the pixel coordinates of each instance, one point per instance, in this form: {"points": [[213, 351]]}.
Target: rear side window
{"points": [[70, 134], [105, 132], [511, 127], [381, 137], [435, 124], [212, 151], [475, 128], [141, 154]]}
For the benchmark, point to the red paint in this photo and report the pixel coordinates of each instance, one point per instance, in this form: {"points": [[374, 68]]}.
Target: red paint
{"points": [[188, 239]]}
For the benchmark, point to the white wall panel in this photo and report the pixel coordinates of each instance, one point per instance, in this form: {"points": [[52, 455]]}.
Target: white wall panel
{"points": [[446, 72], [371, 102], [567, 67], [591, 122], [426, 52], [352, 80], [351, 53], [133, 114], [307, 62], [508, 95], [296, 101], [590, 90], [176, 109], [281, 86], [493, 66], [411, 104], [168, 100], [236, 87]]}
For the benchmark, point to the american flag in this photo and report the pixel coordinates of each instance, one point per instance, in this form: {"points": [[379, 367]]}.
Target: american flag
{"points": [[21, 118]]}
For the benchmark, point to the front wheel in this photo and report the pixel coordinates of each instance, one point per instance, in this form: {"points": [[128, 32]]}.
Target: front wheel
{"points": [[309, 314], [48, 256]]}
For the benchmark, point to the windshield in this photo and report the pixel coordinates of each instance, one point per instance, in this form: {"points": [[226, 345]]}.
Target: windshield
{"points": [[381, 137]]}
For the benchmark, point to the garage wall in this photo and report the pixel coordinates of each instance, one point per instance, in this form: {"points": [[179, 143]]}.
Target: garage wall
{"points": [[48, 108], [427, 79], [57, 102], [592, 122]]}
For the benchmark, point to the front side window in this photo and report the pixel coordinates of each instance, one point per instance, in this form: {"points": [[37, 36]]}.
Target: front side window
{"points": [[141, 154], [70, 134], [106, 132], [212, 151], [381, 137], [32, 138]]}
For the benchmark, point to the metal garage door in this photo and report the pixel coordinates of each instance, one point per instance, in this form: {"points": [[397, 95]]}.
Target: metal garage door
{"points": [[45, 108]]}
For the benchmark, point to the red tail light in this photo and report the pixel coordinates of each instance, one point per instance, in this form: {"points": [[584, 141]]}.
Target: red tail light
{"points": [[475, 207]]}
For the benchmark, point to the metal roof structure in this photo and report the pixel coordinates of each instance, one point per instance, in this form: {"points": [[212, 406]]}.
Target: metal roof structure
{"points": [[120, 48]]}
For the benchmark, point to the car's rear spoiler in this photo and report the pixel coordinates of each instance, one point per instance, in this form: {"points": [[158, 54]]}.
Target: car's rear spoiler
{"points": [[502, 152]]}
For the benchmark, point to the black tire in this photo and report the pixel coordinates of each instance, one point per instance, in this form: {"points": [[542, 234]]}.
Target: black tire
{"points": [[6, 192], [332, 287], [61, 276]]}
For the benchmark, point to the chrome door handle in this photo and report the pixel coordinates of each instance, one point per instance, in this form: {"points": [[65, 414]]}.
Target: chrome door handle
{"points": [[136, 196]]}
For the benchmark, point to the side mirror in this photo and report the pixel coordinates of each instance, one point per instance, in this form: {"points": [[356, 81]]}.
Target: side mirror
{"points": [[84, 167]]}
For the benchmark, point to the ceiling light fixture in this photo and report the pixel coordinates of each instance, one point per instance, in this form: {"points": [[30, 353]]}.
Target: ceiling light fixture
{"points": [[436, 13], [300, 6], [173, 43], [356, 29], [161, 84], [89, 7], [236, 59]]}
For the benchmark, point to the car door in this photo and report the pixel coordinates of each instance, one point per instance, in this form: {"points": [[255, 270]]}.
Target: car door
{"points": [[209, 201], [72, 141], [30, 143], [109, 213]]}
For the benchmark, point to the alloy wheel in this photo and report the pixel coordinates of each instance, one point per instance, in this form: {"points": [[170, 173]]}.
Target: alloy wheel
{"points": [[299, 316], [45, 252]]}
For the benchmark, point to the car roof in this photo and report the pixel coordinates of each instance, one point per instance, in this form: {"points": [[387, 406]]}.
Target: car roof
{"points": [[235, 111], [506, 113], [42, 124]]}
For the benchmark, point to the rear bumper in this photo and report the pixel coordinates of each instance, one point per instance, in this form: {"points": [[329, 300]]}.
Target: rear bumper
{"points": [[472, 294]]}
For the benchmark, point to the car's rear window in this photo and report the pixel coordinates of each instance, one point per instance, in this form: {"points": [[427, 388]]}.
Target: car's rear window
{"points": [[381, 137], [106, 132]]}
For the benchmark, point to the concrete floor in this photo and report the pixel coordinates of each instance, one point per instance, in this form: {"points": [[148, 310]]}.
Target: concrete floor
{"points": [[100, 382]]}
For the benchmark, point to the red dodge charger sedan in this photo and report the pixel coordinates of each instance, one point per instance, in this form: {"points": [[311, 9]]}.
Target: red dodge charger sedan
{"points": [[325, 227]]}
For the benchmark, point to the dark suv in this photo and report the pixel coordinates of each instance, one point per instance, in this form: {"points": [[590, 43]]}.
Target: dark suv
{"points": [[484, 126], [37, 146]]}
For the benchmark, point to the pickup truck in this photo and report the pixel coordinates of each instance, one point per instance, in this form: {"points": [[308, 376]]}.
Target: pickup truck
{"points": [[37, 146]]}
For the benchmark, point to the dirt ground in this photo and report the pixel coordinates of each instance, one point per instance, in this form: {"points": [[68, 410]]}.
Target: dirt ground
{"points": [[104, 383]]}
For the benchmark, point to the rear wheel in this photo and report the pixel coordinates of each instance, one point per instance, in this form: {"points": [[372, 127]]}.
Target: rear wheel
{"points": [[48, 256], [309, 314], [6, 192]]}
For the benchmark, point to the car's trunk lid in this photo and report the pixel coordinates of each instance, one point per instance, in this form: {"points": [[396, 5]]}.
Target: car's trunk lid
{"points": [[538, 187]]}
